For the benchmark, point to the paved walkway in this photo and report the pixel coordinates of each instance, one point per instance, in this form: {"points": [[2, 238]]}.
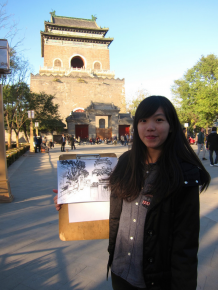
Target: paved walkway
{"points": [[33, 257]]}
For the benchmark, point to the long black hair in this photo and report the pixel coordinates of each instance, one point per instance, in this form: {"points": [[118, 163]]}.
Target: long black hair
{"points": [[127, 178]]}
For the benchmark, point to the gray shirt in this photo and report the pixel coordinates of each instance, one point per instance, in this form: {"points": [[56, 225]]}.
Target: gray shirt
{"points": [[128, 255]]}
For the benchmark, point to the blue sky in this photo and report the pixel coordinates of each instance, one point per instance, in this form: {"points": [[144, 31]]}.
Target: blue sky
{"points": [[155, 42]]}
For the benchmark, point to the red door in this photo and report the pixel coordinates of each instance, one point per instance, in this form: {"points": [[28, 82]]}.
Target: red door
{"points": [[123, 129], [82, 131]]}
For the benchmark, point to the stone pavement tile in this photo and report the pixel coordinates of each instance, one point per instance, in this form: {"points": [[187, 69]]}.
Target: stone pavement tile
{"points": [[67, 274], [99, 285], [37, 282], [15, 279], [207, 251], [3, 275], [96, 273], [201, 281], [80, 282], [209, 238], [204, 222], [20, 260], [214, 261], [28, 237], [22, 287], [210, 287], [212, 277], [204, 260]]}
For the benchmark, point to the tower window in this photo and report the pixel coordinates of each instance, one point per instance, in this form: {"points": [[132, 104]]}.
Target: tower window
{"points": [[77, 62], [57, 62], [97, 65]]}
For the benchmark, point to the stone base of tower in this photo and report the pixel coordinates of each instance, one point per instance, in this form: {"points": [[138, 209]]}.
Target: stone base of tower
{"points": [[77, 91]]}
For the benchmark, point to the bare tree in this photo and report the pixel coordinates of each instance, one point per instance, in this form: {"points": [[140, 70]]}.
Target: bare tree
{"points": [[9, 26]]}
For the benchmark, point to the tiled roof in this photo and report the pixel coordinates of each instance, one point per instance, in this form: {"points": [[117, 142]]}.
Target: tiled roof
{"points": [[124, 115], [60, 35], [75, 22], [78, 115], [102, 106]]}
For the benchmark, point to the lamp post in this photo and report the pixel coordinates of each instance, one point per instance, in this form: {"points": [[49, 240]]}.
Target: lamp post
{"points": [[186, 126], [5, 190], [37, 126], [31, 115]]}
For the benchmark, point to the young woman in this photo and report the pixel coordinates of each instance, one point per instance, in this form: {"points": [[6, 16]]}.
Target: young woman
{"points": [[154, 206]]}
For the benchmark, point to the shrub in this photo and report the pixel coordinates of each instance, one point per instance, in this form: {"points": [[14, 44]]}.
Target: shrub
{"points": [[14, 153]]}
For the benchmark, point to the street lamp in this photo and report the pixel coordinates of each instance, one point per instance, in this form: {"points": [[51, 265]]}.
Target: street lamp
{"points": [[5, 190], [31, 115], [186, 126]]}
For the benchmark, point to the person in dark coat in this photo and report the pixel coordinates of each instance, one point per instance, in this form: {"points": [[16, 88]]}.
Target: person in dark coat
{"points": [[40, 143], [72, 142], [212, 143], [36, 143], [154, 205], [63, 142]]}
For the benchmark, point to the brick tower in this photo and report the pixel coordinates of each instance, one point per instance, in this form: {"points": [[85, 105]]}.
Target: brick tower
{"points": [[77, 65]]}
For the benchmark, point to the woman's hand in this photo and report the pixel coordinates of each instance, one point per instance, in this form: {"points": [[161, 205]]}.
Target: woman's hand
{"points": [[58, 206]]}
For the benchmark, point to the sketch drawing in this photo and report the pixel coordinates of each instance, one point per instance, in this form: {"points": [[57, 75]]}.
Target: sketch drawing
{"points": [[84, 180]]}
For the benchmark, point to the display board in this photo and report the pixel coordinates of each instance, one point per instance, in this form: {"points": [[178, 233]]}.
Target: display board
{"points": [[70, 227]]}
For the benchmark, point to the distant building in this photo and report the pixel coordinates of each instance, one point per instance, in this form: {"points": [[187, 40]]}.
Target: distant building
{"points": [[77, 71], [101, 120]]}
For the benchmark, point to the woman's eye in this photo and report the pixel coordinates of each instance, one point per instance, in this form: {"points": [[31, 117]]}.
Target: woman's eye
{"points": [[142, 120], [160, 120]]}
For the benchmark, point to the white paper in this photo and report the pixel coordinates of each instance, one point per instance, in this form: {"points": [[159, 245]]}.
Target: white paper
{"points": [[84, 180], [88, 211]]}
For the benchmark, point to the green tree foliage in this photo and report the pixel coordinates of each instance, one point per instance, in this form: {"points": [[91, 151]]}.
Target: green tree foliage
{"points": [[46, 112], [18, 99], [16, 103], [132, 105], [196, 94]]}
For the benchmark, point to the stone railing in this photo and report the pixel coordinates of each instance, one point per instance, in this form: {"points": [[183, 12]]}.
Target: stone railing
{"points": [[68, 71], [62, 70], [102, 72]]}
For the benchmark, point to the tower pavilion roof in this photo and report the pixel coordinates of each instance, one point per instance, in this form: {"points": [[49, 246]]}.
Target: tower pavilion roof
{"points": [[75, 22]]}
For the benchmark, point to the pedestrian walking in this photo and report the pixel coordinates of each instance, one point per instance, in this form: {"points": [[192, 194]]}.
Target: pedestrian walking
{"points": [[125, 140], [40, 143], [154, 205], [212, 143], [72, 141], [36, 143], [200, 143], [63, 142]]}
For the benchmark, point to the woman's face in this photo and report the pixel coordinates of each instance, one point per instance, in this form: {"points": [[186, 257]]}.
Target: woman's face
{"points": [[153, 131]]}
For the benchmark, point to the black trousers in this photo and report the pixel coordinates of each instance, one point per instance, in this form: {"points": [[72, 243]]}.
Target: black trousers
{"points": [[211, 157], [63, 146], [120, 284]]}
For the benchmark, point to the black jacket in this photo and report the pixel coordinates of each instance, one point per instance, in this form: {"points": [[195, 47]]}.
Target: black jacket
{"points": [[63, 140], [171, 235], [212, 141]]}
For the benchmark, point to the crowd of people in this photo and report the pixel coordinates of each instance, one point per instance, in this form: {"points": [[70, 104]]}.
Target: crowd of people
{"points": [[211, 142], [41, 144], [72, 140], [207, 142]]}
